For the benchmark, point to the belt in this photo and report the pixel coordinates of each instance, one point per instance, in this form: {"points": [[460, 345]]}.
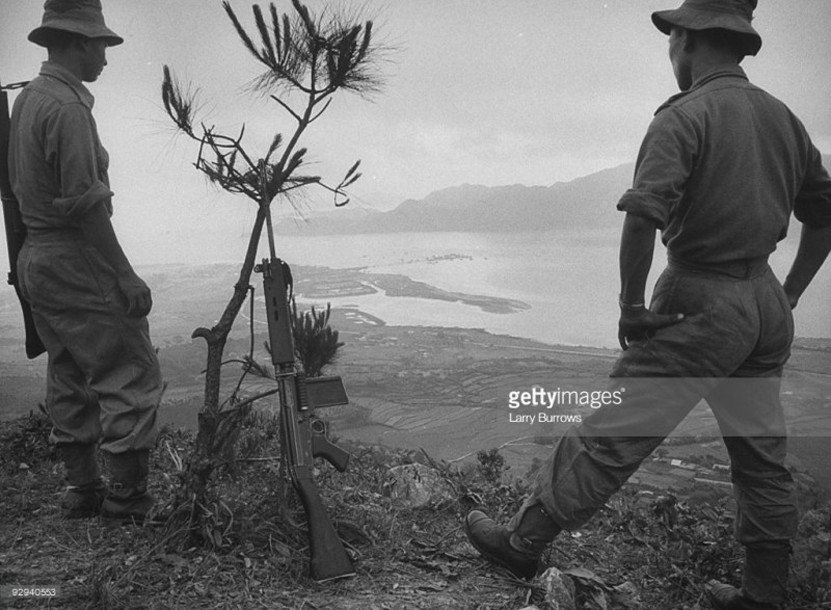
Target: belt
{"points": [[54, 236], [744, 268]]}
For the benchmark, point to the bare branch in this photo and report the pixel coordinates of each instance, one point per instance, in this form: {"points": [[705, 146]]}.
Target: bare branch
{"points": [[287, 108], [248, 401], [321, 111], [351, 181], [296, 182]]}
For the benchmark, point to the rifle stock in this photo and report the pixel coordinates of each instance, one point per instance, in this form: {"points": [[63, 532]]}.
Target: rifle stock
{"points": [[328, 559], [15, 229], [303, 434]]}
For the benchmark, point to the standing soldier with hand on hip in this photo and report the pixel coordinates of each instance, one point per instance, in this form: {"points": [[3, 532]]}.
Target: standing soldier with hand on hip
{"points": [[722, 167], [103, 380]]}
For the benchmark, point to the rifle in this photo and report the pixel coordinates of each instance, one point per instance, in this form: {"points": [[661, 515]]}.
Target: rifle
{"points": [[13, 221], [303, 434]]}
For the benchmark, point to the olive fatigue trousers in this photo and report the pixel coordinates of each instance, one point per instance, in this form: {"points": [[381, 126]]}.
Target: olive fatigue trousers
{"points": [[103, 378]]}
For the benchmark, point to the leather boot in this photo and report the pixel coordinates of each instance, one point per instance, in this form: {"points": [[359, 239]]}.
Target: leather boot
{"points": [[765, 582], [84, 488], [127, 500], [518, 545], [728, 597]]}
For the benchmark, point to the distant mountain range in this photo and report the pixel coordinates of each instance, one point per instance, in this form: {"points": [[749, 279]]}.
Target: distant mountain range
{"points": [[587, 202]]}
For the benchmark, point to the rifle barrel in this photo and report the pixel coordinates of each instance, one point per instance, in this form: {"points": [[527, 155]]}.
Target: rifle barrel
{"points": [[13, 221], [302, 438]]}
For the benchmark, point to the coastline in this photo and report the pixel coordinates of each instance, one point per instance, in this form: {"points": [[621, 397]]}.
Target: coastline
{"points": [[441, 388]]}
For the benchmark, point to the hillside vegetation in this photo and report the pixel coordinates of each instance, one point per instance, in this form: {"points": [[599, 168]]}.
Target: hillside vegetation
{"points": [[642, 551]]}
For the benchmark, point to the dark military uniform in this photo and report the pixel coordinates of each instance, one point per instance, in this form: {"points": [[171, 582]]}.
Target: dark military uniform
{"points": [[720, 171], [103, 379]]}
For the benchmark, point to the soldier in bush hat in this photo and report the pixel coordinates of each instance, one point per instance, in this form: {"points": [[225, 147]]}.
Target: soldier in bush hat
{"points": [[734, 16], [89, 305], [722, 167], [83, 17]]}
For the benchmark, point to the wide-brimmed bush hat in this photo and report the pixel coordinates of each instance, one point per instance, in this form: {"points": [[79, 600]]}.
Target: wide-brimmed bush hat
{"points": [[78, 16], [732, 15]]}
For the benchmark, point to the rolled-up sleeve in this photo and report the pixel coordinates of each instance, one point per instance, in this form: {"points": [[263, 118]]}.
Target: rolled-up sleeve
{"points": [[71, 149], [813, 202], [665, 162]]}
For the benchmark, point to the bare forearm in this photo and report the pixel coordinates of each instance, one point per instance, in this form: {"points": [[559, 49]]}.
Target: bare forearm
{"points": [[98, 231], [814, 246], [637, 245]]}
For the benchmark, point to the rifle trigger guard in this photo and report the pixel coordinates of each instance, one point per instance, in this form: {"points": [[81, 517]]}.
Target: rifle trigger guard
{"points": [[318, 426]]}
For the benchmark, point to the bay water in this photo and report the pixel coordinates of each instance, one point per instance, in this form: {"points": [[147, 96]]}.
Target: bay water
{"points": [[569, 279]]}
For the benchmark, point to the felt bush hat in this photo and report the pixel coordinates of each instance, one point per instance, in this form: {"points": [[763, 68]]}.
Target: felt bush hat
{"points": [[731, 15], [78, 16]]}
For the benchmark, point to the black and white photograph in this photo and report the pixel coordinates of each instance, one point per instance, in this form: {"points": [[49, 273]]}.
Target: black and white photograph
{"points": [[415, 305]]}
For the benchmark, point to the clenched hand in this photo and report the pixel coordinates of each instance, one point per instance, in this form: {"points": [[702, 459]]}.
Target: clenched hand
{"points": [[637, 323], [139, 301]]}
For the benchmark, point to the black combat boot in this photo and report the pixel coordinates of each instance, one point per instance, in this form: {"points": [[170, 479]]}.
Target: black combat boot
{"points": [[765, 582], [127, 500], [728, 597], [84, 488], [518, 545]]}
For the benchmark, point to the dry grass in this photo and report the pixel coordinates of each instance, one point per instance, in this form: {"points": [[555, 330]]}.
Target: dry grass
{"points": [[405, 558]]}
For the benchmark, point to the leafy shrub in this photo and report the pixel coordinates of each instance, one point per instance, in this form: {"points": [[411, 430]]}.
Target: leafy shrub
{"points": [[492, 465], [27, 441], [315, 342]]}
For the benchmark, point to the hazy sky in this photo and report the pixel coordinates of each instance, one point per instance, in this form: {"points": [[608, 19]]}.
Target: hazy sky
{"points": [[477, 91]]}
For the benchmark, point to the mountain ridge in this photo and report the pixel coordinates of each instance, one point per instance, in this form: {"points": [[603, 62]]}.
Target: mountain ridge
{"points": [[585, 202]]}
